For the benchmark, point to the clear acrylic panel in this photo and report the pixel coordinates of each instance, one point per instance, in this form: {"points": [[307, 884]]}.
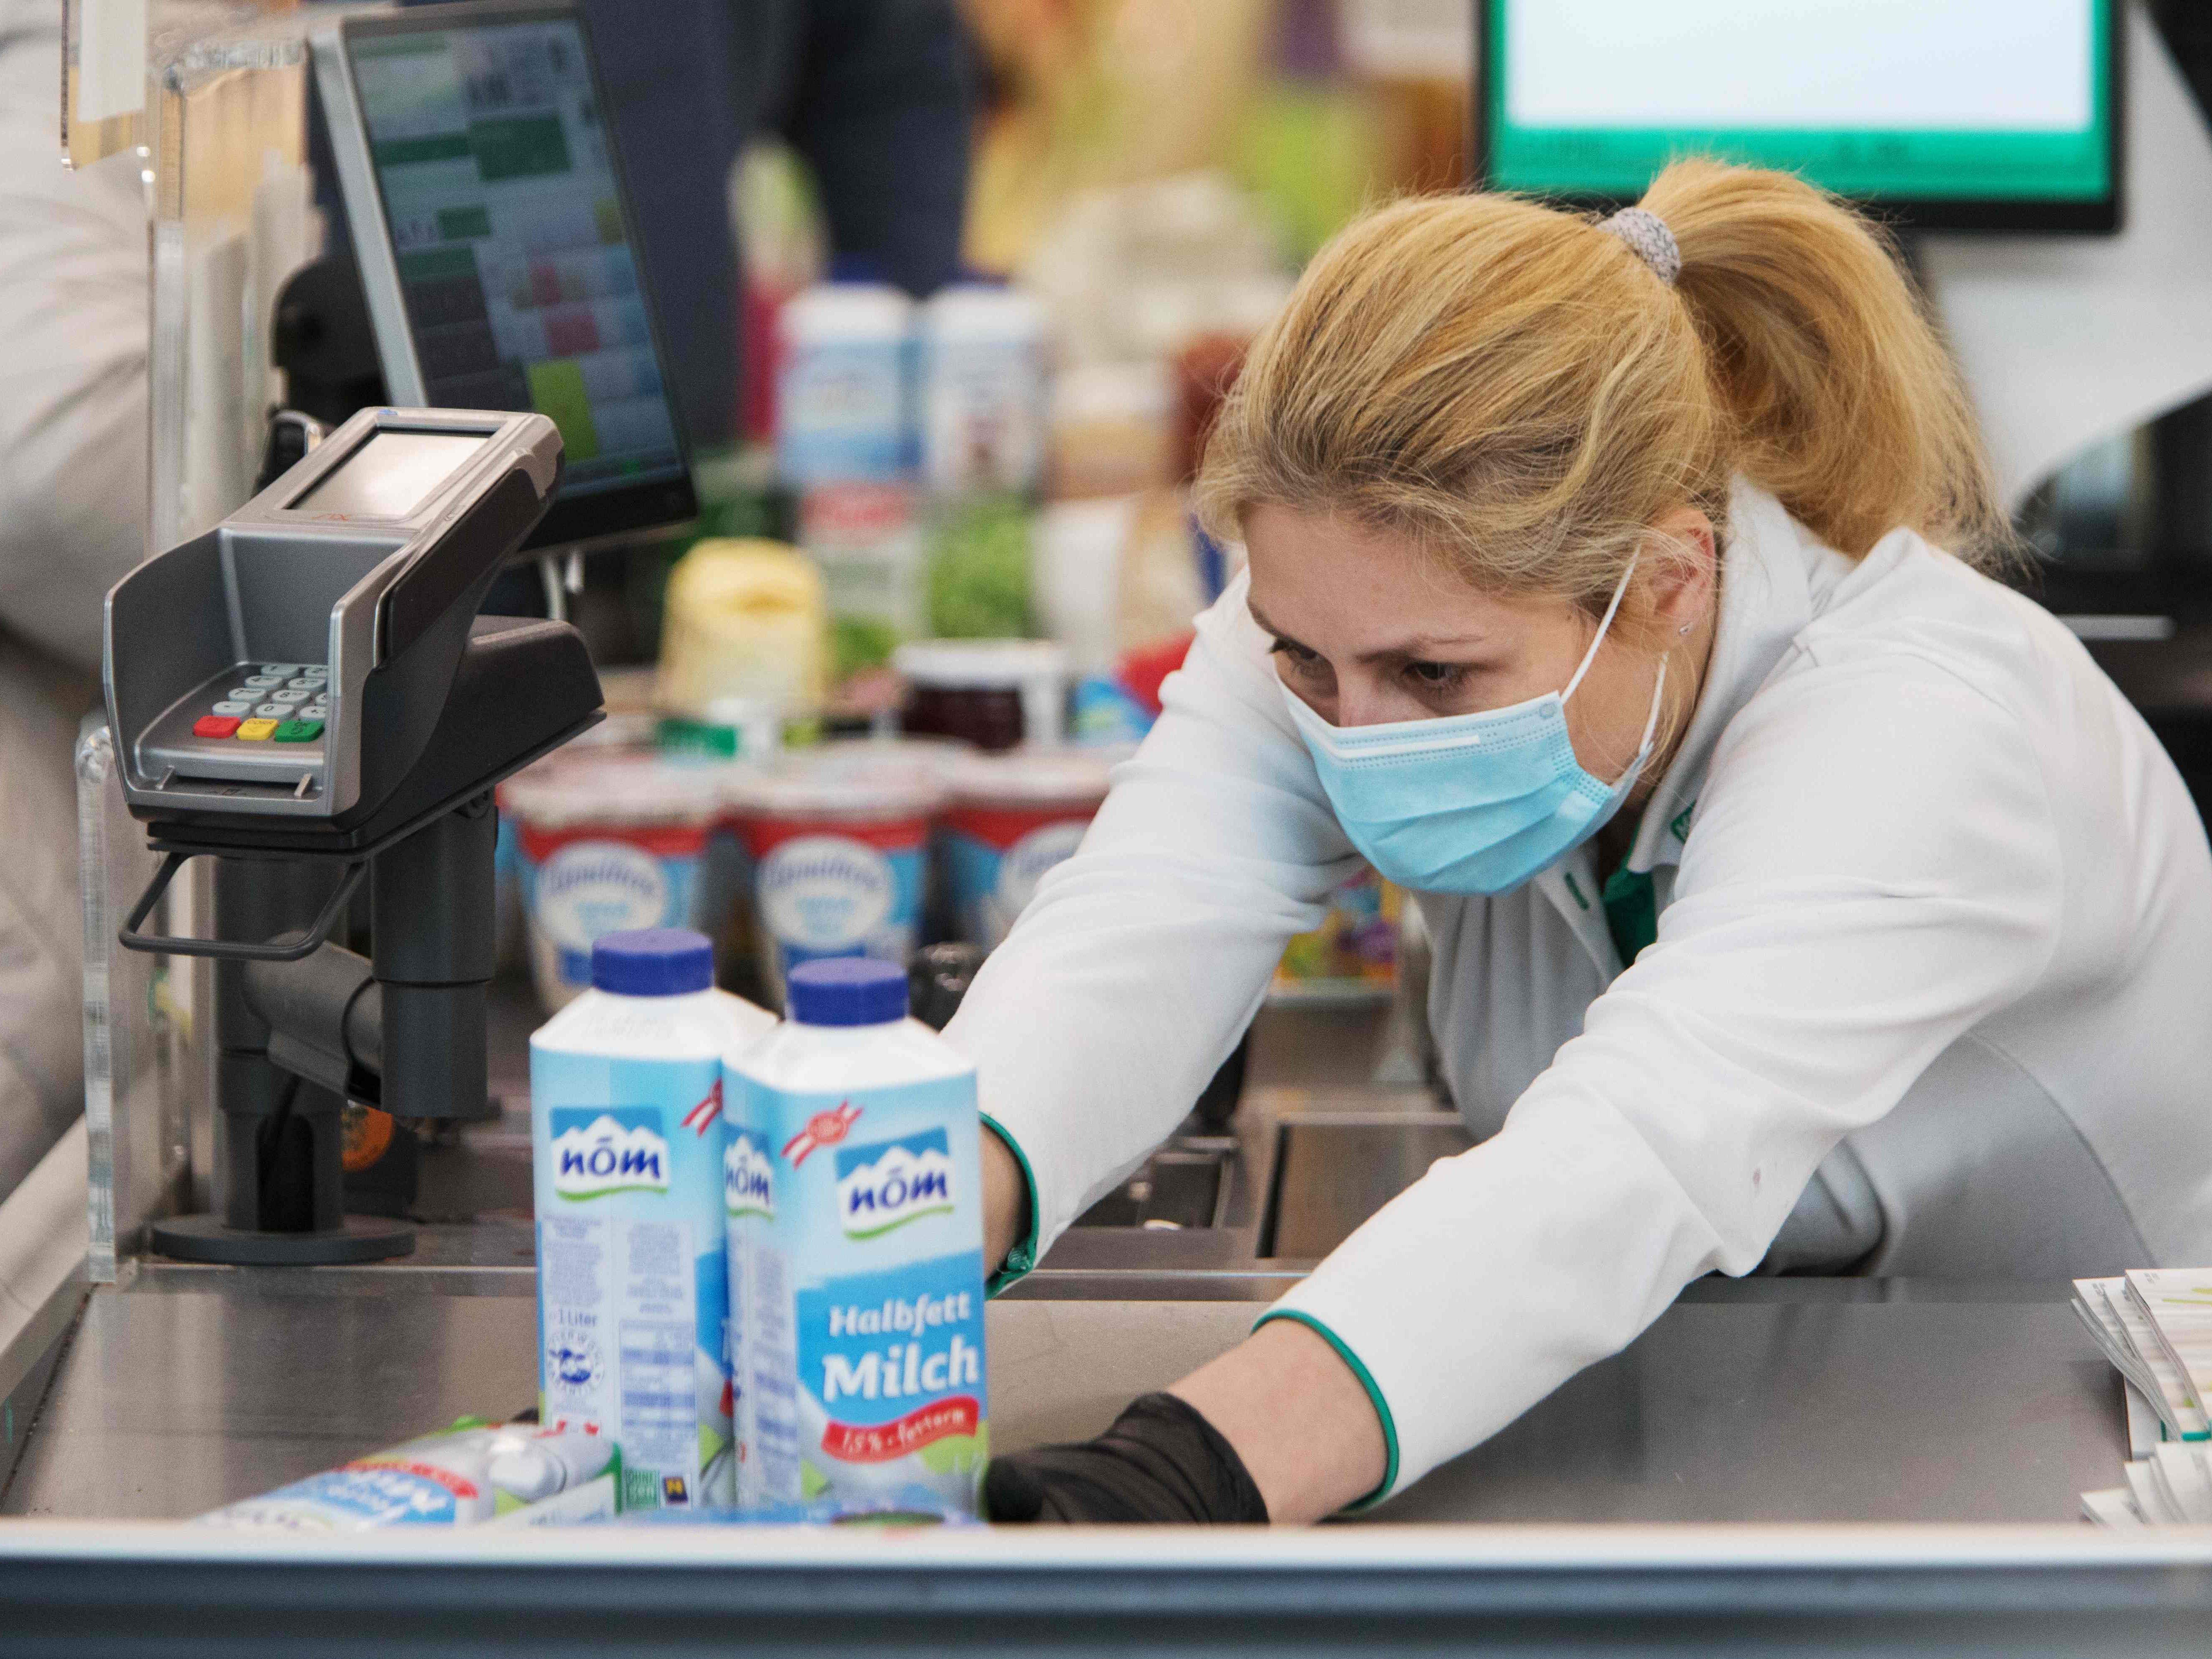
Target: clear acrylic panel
{"points": [[144, 1071]]}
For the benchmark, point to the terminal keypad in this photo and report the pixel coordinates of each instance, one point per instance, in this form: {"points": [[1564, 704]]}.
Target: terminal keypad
{"points": [[267, 702]]}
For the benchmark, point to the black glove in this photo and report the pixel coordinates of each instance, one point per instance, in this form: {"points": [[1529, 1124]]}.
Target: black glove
{"points": [[1161, 1461]]}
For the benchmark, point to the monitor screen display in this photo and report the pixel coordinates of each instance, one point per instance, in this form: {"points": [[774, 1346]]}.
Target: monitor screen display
{"points": [[1895, 101], [514, 254], [391, 475]]}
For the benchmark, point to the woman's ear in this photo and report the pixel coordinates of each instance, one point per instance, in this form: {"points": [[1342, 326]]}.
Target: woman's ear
{"points": [[1682, 552]]}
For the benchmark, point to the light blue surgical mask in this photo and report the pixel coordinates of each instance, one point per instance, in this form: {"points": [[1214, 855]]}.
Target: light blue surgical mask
{"points": [[1470, 803]]}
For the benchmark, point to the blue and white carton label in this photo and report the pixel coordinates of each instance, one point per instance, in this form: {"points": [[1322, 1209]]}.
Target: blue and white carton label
{"points": [[633, 1304], [855, 1231]]}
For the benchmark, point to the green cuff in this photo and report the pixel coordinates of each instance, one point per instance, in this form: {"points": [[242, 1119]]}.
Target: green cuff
{"points": [[1024, 1255], [1374, 1398]]}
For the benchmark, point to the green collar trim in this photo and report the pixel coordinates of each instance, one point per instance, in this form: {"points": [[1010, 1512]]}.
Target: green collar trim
{"points": [[1024, 1256], [1374, 1398]]}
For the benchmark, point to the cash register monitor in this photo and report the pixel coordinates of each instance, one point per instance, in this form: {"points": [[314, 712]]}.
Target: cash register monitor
{"points": [[1941, 114], [495, 249]]}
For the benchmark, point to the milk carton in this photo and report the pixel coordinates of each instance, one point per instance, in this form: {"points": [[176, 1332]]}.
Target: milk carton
{"points": [[473, 1474], [853, 1193], [626, 1141]]}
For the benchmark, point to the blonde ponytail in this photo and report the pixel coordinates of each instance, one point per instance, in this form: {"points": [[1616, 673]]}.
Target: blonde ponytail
{"points": [[1846, 407], [1518, 391]]}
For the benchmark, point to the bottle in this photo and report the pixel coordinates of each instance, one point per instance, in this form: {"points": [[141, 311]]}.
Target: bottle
{"points": [[982, 390], [844, 410], [626, 1141], [852, 1183]]}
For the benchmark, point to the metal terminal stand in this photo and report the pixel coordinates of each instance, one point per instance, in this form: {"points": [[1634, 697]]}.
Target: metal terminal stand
{"points": [[403, 1030]]}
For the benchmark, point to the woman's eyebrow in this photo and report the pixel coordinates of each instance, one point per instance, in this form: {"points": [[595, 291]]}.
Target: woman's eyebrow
{"points": [[1267, 627], [1416, 645]]}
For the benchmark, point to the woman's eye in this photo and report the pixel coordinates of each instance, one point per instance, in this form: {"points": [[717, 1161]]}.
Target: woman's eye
{"points": [[1302, 661], [1435, 676]]}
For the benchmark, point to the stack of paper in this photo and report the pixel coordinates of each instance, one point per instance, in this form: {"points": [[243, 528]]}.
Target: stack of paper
{"points": [[2155, 1326]]}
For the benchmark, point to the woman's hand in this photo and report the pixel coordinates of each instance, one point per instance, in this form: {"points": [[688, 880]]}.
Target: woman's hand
{"points": [[1276, 1428], [1005, 1202]]}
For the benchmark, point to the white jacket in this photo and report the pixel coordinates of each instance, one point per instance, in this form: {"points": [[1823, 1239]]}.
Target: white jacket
{"points": [[1936, 909], [72, 331]]}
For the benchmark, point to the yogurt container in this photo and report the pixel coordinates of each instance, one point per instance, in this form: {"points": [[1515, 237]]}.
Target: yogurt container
{"points": [[1010, 818], [838, 852], [853, 1199], [627, 1132], [609, 845]]}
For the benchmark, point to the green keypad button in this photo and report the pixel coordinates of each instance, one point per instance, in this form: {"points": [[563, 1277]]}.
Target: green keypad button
{"points": [[297, 732]]}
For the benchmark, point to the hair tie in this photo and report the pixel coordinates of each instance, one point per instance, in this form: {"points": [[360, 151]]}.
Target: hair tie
{"points": [[1647, 235]]}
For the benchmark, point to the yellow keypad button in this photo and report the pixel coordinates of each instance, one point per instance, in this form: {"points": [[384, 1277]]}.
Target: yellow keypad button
{"points": [[257, 731]]}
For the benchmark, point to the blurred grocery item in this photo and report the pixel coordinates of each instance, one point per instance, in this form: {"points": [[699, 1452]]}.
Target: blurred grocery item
{"points": [[1205, 367], [1075, 574], [472, 1473], [1145, 670], [991, 693], [1010, 818], [782, 241], [745, 643], [1418, 56], [1095, 91], [844, 401], [932, 757], [1118, 583], [867, 541], [1163, 580], [983, 389], [1353, 955], [837, 854], [609, 845], [739, 494], [1129, 274], [1110, 432], [731, 728], [979, 570]]}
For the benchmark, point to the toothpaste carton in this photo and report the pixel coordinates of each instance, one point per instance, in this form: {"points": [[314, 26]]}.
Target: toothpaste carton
{"points": [[627, 1141], [851, 1189]]}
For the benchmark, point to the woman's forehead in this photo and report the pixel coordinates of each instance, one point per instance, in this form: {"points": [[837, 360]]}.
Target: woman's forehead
{"points": [[1332, 583]]}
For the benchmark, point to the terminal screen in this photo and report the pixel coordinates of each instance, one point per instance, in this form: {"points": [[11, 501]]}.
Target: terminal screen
{"points": [[514, 252], [1894, 100], [391, 475]]}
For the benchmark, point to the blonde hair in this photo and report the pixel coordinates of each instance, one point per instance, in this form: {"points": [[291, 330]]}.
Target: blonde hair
{"points": [[1517, 390]]}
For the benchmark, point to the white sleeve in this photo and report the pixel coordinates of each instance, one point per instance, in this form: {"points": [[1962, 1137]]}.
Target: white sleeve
{"points": [[1131, 975], [1873, 867], [72, 331]]}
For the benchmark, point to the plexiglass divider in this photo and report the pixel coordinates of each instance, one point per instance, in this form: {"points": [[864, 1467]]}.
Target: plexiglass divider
{"points": [[146, 1068]]}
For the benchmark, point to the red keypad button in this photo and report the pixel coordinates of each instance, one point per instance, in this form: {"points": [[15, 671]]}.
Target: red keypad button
{"points": [[214, 726]]}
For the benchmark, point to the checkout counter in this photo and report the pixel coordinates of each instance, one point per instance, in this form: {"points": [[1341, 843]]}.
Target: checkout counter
{"points": [[1790, 1464], [1793, 1465]]}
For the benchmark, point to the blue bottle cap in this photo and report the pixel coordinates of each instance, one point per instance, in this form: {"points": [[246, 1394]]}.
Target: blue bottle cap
{"points": [[652, 962], [846, 991]]}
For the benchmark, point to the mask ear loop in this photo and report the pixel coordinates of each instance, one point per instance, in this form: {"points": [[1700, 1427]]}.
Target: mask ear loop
{"points": [[1658, 691], [1619, 592]]}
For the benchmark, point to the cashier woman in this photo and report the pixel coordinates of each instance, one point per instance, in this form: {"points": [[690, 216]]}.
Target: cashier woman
{"points": [[1803, 900]]}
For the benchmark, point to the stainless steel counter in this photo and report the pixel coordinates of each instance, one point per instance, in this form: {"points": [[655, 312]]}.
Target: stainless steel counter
{"points": [[1770, 1402], [1811, 1401]]}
